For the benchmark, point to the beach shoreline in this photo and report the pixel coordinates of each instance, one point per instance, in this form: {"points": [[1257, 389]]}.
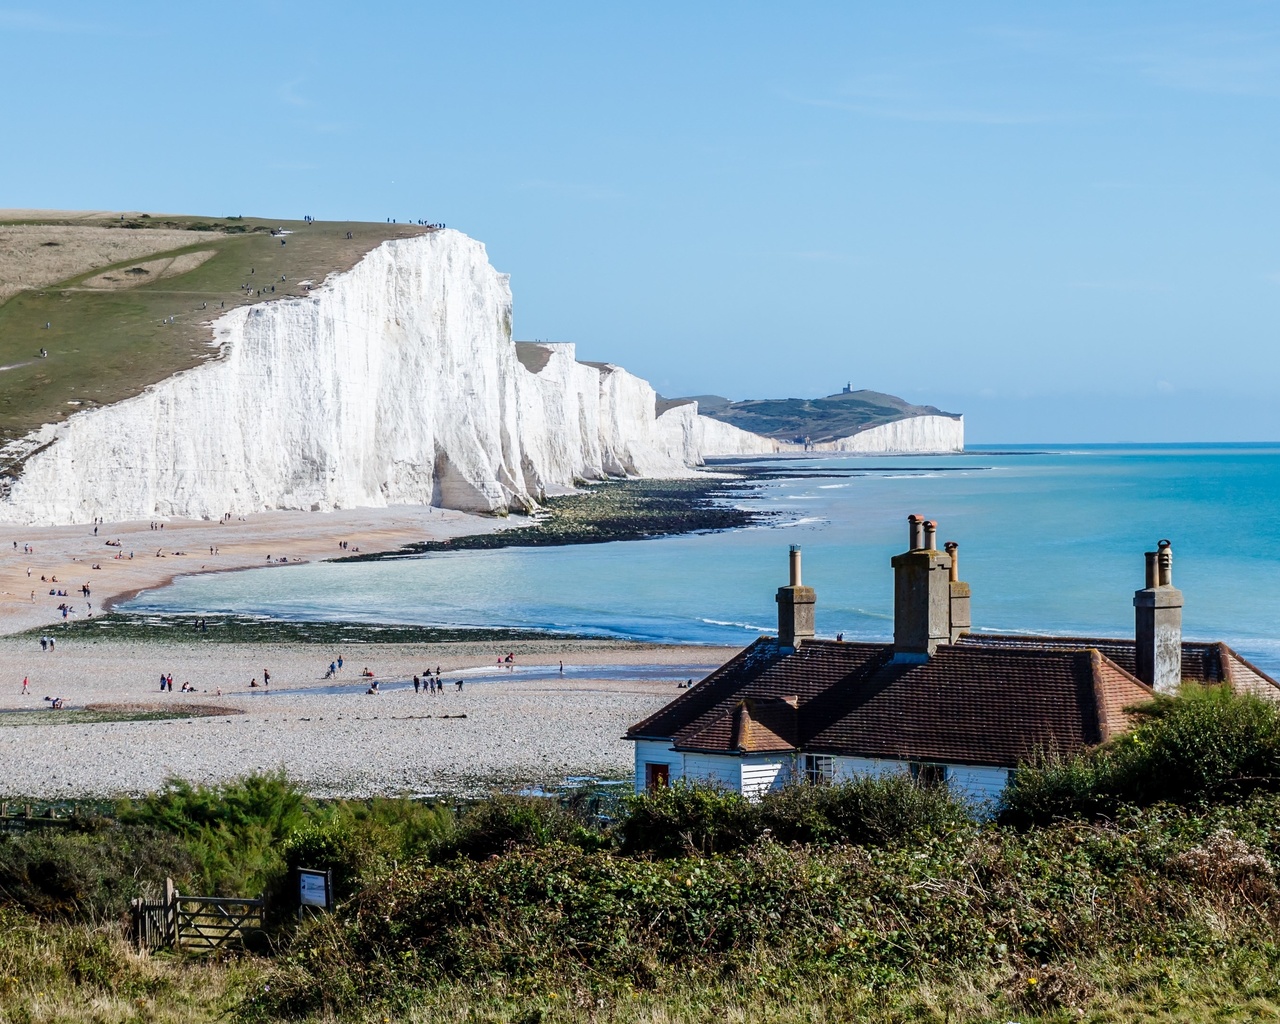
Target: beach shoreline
{"points": [[526, 722], [35, 583], [62, 559]]}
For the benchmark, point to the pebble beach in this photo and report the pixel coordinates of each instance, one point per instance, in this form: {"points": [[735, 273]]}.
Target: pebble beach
{"points": [[508, 727]]}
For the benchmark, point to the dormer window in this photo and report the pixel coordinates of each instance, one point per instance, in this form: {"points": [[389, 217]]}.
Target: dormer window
{"points": [[819, 769]]}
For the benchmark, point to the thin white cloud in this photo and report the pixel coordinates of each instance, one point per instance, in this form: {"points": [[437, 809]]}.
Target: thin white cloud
{"points": [[288, 94], [1221, 64], [39, 21], [900, 110], [1188, 57], [1119, 285]]}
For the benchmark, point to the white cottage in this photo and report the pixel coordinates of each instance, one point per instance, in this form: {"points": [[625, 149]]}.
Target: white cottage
{"points": [[940, 702]]}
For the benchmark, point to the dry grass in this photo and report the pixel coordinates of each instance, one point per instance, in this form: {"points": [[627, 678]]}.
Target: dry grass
{"points": [[70, 974], [36, 255], [152, 270]]}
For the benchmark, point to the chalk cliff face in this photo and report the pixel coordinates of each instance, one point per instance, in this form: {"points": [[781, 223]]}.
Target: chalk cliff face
{"points": [[921, 435], [395, 383]]}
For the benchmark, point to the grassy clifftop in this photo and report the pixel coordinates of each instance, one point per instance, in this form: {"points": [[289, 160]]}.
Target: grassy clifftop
{"points": [[121, 301], [819, 419]]}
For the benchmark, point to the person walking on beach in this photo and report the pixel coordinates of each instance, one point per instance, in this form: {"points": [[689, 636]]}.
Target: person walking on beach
{"points": [[24, 684], [416, 684], [266, 678]]}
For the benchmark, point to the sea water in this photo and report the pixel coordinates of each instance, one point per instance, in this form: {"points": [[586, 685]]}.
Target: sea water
{"points": [[1051, 541]]}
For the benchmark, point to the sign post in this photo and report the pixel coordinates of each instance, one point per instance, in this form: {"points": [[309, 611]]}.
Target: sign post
{"points": [[315, 890]]}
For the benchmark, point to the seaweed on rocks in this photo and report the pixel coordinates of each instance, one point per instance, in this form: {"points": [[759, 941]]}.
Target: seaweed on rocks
{"points": [[611, 511], [248, 629]]}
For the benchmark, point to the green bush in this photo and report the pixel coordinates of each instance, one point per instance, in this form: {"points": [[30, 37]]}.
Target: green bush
{"points": [[398, 829], [1206, 745], [687, 819], [87, 875], [867, 811], [234, 831], [331, 846], [682, 819], [504, 823], [984, 898]]}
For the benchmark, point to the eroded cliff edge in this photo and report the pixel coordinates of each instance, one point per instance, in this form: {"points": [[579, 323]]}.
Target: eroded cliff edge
{"points": [[397, 382]]}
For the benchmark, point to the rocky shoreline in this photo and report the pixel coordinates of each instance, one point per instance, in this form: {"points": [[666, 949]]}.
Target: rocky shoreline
{"points": [[246, 629], [613, 510]]}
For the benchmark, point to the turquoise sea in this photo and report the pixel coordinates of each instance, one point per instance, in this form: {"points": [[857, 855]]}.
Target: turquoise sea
{"points": [[1051, 540]]}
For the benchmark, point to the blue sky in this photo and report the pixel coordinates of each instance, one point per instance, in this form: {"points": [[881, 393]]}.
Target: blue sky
{"points": [[1059, 219]]}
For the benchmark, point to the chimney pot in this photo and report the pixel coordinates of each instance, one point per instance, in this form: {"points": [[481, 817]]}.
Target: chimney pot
{"points": [[953, 549], [1164, 563], [1158, 615], [795, 607], [923, 589], [916, 524]]}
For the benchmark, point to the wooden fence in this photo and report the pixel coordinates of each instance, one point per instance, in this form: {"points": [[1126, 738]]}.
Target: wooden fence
{"points": [[21, 818], [193, 924]]}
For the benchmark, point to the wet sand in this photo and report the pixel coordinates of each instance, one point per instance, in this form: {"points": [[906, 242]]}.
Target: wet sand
{"points": [[70, 553]]}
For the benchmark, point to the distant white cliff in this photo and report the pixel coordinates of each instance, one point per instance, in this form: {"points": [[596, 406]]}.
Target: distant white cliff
{"points": [[917, 435], [394, 383]]}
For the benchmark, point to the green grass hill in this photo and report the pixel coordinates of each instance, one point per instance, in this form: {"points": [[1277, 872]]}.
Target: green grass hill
{"points": [[119, 301], [818, 419]]}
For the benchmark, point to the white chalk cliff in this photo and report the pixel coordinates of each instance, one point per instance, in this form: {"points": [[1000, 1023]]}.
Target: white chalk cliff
{"points": [[917, 435], [396, 382]]}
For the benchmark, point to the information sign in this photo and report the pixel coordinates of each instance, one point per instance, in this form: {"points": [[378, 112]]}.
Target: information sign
{"points": [[313, 888]]}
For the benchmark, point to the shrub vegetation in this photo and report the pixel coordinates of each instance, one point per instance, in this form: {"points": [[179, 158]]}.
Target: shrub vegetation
{"points": [[1206, 745], [1135, 882]]}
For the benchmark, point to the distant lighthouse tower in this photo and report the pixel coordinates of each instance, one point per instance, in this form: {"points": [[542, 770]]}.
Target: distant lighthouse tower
{"points": [[848, 388]]}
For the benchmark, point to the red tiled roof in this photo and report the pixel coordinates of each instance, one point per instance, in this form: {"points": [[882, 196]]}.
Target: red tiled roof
{"points": [[1202, 661], [966, 704], [759, 671]]}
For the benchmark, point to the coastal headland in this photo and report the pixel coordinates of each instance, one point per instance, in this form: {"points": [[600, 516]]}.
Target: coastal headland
{"points": [[190, 395]]}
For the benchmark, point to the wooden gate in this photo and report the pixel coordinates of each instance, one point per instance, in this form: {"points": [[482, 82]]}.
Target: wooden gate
{"points": [[206, 923], [194, 924]]}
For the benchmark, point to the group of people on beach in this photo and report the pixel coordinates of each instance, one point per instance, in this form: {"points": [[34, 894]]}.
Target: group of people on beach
{"points": [[432, 683], [425, 683]]}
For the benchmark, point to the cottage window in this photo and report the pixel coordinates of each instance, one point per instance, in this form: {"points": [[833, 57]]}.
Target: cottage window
{"points": [[929, 774], [819, 769], [657, 775]]}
